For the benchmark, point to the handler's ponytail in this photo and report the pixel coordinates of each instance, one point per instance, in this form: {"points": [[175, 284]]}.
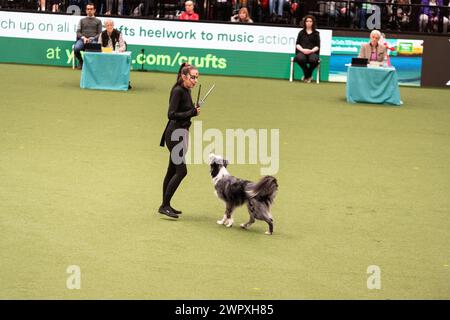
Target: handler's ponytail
{"points": [[185, 68]]}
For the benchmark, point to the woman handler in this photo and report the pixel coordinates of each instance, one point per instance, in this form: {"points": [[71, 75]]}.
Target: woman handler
{"points": [[175, 136]]}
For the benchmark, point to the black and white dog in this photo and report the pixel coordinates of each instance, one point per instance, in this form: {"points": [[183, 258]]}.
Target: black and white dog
{"points": [[235, 192]]}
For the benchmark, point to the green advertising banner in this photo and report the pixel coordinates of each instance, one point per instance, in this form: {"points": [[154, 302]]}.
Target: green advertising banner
{"points": [[227, 49]]}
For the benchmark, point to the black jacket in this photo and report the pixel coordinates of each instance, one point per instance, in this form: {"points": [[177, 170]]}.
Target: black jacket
{"points": [[308, 41], [115, 35], [181, 110]]}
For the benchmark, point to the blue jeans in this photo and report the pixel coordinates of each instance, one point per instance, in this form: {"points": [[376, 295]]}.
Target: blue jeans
{"points": [[114, 7], [79, 46], [362, 18], [279, 9]]}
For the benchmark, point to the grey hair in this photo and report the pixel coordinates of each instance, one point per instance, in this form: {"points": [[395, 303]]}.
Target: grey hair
{"points": [[109, 21], [376, 32]]}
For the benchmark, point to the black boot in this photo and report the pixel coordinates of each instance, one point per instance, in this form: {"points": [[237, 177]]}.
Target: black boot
{"points": [[175, 210], [167, 210]]}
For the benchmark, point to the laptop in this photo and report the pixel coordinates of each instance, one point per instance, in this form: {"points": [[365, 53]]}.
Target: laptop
{"points": [[93, 47], [359, 62]]}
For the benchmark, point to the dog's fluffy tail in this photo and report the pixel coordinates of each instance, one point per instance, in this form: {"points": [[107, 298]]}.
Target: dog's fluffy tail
{"points": [[264, 190]]}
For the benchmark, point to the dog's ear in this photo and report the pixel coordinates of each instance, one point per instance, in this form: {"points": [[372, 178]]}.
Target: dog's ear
{"points": [[211, 157], [225, 163]]}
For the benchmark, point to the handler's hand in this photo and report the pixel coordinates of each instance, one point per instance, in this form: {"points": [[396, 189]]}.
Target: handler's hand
{"points": [[197, 108]]}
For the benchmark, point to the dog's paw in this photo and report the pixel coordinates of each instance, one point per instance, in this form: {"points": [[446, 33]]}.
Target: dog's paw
{"points": [[244, 226], [268, 233], [229, 224], [220, 221]]}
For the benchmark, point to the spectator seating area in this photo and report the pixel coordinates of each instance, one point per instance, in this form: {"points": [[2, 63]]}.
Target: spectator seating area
{"points": [[397, 15]]}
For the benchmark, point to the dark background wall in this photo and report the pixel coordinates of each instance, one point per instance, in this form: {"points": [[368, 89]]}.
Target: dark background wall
{"points": [[436, 62]]}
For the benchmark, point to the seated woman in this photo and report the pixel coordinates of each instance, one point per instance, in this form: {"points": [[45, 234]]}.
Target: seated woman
{"points": [[373, 51], [430, 15], [307, 48], [243, 16], [110, 37]]}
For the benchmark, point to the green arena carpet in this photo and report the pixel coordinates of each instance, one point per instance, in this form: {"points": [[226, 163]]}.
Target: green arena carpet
{"points": [[359, 185]]}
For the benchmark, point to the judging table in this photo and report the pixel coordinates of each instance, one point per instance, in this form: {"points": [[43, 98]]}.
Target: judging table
{"points": [[106, 71], [373, 85]]}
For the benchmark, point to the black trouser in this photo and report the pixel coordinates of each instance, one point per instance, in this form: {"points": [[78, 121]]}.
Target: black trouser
{"points": [[149, 8], [177, 169], [223, 11], [303, 61]]}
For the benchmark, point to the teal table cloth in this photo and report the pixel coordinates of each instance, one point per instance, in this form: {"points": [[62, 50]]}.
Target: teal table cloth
{"points": [[106, 71], [373, 85]]}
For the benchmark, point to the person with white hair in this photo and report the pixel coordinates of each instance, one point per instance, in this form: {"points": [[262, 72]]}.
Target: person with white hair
{"points": [[110, 37], [373, 51]]}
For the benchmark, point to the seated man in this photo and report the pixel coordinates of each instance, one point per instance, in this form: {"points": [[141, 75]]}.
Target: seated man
{"points": [[111, 37], [189, 14], [88, 31]]}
